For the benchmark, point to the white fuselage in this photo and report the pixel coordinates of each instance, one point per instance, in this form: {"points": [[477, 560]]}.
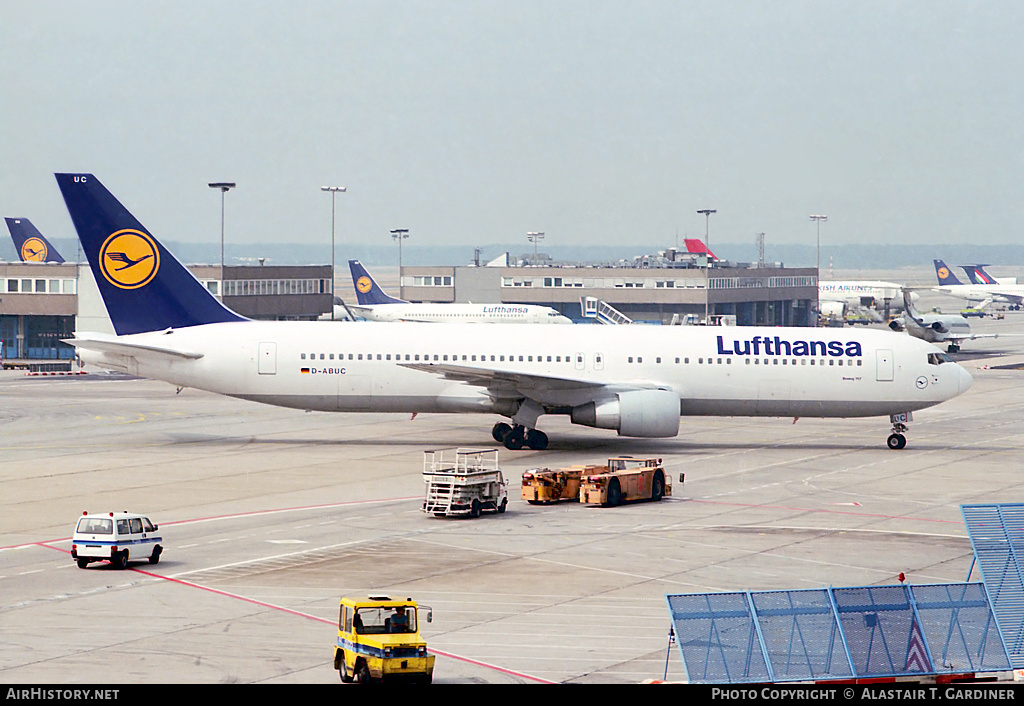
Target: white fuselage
{"points": [[461, 313], [1010, 293], [864, 293], [361, 367]]}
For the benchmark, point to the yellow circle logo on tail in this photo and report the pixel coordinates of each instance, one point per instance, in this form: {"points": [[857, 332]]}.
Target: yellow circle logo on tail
{"points": [[129, 259], [943, 273], [33, 250], [363, 284]]}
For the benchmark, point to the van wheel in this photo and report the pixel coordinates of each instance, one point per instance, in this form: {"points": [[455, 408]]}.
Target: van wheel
{"points": [[363, 674], [154, 558], [82, 563], [474, 509], [343, 669], [120, 561]]}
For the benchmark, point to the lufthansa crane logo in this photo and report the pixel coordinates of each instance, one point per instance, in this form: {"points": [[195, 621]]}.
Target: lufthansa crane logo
{"points": [[33, 250], [129, 259], [943, 273], [363, 284]]}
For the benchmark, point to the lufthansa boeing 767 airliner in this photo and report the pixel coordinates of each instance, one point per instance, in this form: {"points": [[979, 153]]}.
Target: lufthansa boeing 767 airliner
{"points": [[637, 380]]}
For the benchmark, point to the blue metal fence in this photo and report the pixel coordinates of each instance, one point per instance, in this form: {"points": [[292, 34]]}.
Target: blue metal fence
{"points": [[836, 633]]}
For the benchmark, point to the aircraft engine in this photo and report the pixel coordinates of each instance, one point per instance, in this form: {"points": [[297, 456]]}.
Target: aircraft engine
{"points": [[645, 413], [833, 310], [896, 324], [939, 326]]}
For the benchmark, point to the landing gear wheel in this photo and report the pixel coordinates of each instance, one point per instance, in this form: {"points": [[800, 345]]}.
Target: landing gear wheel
{"points": [[500, 431], [515, 439], [896, 441], [537, 440]]}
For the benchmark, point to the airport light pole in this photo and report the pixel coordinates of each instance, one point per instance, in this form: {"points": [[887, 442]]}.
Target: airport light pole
{"points": [[224, 187], [400, 234], [334, 190], [817, 218], [707, 266], [533, 236]]}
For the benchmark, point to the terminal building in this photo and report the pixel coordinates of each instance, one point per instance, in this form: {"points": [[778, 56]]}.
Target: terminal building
{"points": [[43, 303], [661, 289]]}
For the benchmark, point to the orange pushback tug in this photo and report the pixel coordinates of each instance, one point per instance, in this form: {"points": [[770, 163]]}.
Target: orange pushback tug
{"points": [[624, 479]]}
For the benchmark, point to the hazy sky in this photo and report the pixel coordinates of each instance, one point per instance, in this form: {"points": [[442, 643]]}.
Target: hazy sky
{"points": [[472, 122]]}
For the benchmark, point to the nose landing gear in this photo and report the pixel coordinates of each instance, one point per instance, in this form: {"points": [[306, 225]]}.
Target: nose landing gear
{"points": [[898, 440]]}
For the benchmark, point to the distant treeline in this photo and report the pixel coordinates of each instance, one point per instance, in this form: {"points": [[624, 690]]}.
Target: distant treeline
{"points": [[863, 256]]}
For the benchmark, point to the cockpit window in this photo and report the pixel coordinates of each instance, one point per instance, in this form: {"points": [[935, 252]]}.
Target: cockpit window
{"points": [[938, 358]]}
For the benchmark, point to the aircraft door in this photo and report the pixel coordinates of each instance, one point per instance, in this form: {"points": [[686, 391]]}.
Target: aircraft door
{"points": [[884, 366], [267, 364]]}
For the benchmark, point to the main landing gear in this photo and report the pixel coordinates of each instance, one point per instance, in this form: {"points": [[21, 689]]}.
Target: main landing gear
{"points": [[518, 436]]}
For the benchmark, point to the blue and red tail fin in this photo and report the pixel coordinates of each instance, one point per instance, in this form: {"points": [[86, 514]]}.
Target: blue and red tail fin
{"points": [[142, 284], [945, 275], [977, 275], [30, 243], [368, 292]]}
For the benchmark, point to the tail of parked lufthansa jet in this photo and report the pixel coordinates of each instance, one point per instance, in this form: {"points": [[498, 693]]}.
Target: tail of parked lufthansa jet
{"points": [[31, 245], [945, 275], [368, 292], [143, 286]]}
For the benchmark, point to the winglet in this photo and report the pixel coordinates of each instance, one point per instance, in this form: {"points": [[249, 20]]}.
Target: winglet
{"points": [[30, 243], [945, 275], [142, 284], [368, 292]]}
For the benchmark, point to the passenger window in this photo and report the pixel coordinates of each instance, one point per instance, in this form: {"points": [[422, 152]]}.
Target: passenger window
{"points": [[136, 525], [122, 527]]}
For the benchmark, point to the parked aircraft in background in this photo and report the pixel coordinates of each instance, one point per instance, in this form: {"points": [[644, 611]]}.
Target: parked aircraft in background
{"points": [[637, 382], [984, 294], [376, 305], [951, 329], [30, 243], [977, 275], [872, 298]]}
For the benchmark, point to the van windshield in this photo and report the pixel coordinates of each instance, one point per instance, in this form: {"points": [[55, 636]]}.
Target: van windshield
{"points": [[377, 621], [95, 525]]}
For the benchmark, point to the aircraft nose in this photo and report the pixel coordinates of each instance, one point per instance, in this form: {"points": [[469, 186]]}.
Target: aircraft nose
{"points": [[965, 379]]}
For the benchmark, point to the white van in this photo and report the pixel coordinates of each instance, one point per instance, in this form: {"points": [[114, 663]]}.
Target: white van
{"points": [[115, 537]]}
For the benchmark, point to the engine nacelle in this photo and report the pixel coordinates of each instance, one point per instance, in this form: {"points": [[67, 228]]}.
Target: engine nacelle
{"points": [[896, 325], [939, 327], [646, 413], [833, 310]]}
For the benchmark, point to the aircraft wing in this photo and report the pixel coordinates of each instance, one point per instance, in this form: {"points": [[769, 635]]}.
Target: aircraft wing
{"points": [[546, 389], [114, 345]]}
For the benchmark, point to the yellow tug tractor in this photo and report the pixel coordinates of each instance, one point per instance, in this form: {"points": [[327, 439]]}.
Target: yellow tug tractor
{"points": [[379, 640]]}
